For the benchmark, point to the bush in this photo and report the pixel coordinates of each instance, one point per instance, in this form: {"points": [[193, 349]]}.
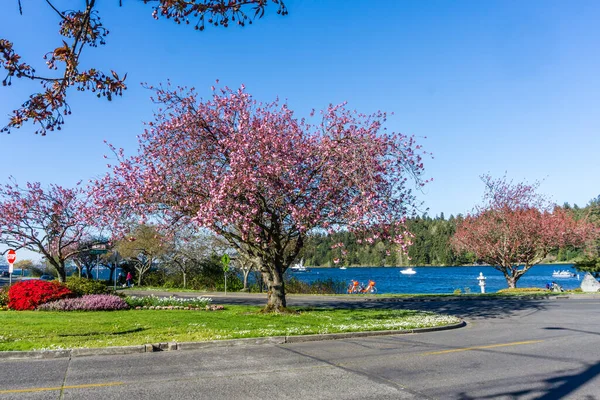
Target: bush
{"points": [[90, 302], [148, 301], [328, 286], [27, 295], [153, 279], [3, 297], [209, 276], [83, 286]]}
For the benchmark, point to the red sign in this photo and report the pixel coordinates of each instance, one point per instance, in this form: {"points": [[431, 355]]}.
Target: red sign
{"points": [[11, 256]]}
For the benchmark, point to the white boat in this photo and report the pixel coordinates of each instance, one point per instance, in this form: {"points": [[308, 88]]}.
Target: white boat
{"points": [[299, 267], [563, 274], [343, 268], [408, 271]]}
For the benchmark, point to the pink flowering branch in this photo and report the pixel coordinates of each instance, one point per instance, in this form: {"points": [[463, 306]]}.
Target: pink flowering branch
{"points": [[81, 29]]}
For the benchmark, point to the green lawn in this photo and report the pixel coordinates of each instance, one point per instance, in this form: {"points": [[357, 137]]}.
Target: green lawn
{"points": [[36, 330]]}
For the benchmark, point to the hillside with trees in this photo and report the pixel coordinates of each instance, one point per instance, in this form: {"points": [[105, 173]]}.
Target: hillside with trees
{"points": [[431, 245]]}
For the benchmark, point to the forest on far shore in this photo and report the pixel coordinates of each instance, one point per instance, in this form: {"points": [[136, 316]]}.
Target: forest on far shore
{"points": [[430, 245]]}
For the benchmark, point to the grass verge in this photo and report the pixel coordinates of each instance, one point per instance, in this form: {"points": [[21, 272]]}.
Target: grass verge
{"points": [[35, 330]]}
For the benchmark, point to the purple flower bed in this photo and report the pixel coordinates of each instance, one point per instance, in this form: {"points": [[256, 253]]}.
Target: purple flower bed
{"points": [[90, 302]]}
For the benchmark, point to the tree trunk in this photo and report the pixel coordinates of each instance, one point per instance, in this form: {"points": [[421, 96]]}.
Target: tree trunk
{"points": [[59, 267], [141, 268], [246, 272], [276, 290], [512, 282], [184, 279], [259, 280], [79, 268], [511, 275]]}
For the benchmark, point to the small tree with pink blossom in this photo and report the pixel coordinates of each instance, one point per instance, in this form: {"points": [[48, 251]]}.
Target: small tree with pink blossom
{"points": [[516, 228], [50, 222], [262, 179]]}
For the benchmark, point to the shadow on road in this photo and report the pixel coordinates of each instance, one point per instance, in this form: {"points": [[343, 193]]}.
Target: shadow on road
{"points": [[479, 309], [558, 328], [469, 308], [557, 387]]}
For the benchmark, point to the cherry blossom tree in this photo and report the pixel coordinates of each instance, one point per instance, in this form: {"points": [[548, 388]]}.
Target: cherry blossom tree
{"points": [[83, 28], [516, 228], [262, 179], [50, 222]]}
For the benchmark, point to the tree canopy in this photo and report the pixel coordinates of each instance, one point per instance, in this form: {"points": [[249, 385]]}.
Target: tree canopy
{"points": [[262, 179], [516, 228], [51, 222]]}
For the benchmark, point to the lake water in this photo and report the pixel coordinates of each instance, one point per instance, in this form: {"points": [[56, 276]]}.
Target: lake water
{"points": [[102, 273], [442, 280]]}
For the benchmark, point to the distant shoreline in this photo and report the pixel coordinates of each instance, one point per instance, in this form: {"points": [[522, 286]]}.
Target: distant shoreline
{"points": [[429, 266]]}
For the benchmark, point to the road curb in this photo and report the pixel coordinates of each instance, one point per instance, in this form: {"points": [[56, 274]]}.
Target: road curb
{"points": [[176, 346]]}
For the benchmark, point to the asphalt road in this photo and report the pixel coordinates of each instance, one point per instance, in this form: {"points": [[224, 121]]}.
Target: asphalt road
{"points": [[510, 349]]}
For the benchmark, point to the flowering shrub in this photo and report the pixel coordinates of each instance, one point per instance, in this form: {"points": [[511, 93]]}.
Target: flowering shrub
{"points": [[90, 302], [27, 295], [155, 301]]}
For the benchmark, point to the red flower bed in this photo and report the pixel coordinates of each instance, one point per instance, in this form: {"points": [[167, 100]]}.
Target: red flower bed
{"points": [[27, 295]]}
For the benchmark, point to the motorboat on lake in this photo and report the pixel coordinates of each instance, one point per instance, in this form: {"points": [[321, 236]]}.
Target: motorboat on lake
{"points": [[343, 268], [299, 267], [408, 271], [563, 274]]}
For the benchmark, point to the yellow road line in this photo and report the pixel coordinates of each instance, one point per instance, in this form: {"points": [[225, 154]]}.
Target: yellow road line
{"points": [[91, 385], [489, 346]]}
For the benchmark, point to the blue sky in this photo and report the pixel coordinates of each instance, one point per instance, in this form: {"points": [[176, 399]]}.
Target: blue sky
{"points": [[494, 86]]}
